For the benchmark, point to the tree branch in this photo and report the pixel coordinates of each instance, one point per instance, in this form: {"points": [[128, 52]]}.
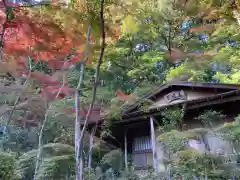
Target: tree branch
{"points": [[78, 156], [169, 38], [97, 69], [100, 60]]}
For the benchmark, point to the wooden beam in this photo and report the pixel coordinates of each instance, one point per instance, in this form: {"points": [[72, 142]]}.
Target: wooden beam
{"points": [[125, 150], [153, 141], [213, 102]]}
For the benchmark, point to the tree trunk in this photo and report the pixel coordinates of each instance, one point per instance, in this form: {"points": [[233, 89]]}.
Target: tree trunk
{"points": [[78, 156], [90, 149], [77, 136], [79, 139], [39, 153]]}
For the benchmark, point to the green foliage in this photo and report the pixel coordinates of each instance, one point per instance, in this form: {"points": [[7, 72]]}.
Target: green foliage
{"points": [[18, 139], [128, 174], [230, 131], [191, 163], [233, 78], [8, 98], [144, 104], [177, 72], [211, 118], [229, 55], [113, 159], [90, 174], [53, 153], [26, 164], [40, 66], [172, 118], [148, 36], [129, 25], [8, 167], [57, 167], [175, 140]]}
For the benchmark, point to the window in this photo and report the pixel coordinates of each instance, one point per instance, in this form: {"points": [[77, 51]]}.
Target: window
{"points": [[142, 152]]}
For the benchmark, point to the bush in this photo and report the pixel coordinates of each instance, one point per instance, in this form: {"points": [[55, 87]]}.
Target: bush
{"points": [[7, 167], [114, 160], [174, 140], [211, 118], [192, 163], [230, 131]]}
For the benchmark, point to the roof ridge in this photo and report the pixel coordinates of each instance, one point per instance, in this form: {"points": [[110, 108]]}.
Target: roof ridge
{"points": [[183, 83]]}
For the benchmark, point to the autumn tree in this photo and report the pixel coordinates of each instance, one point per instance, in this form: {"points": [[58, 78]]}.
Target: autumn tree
{"points": [[47, 36]]}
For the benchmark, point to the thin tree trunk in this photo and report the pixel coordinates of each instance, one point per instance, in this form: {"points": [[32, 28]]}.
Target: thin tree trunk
{"points": [[78, 126], [96, 83], [39, 153], [125, 151], [78, 156], [77, 134], [90, 148]]}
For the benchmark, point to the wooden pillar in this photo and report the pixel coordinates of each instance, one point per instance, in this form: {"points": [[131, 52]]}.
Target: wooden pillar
{"points": [[153, 141], [125, 150], [90, 148]]}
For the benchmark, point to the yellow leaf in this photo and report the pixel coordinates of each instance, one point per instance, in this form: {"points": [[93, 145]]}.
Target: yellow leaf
{"points": [[129, 26]]}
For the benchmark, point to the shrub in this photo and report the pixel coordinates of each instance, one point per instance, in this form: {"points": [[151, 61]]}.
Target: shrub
{"points": [[7, 167], [113, 159], [211, 118], [191, 163]]}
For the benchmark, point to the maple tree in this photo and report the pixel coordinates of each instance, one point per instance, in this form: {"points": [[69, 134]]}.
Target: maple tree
{"points": [[39, 36], [24, 34], [150, 44]]}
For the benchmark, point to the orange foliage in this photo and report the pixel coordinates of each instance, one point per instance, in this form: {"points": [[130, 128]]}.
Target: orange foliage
{"points": [[51, 86], [51, 92], [124, 97], [41, 36], [30, 35]]}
